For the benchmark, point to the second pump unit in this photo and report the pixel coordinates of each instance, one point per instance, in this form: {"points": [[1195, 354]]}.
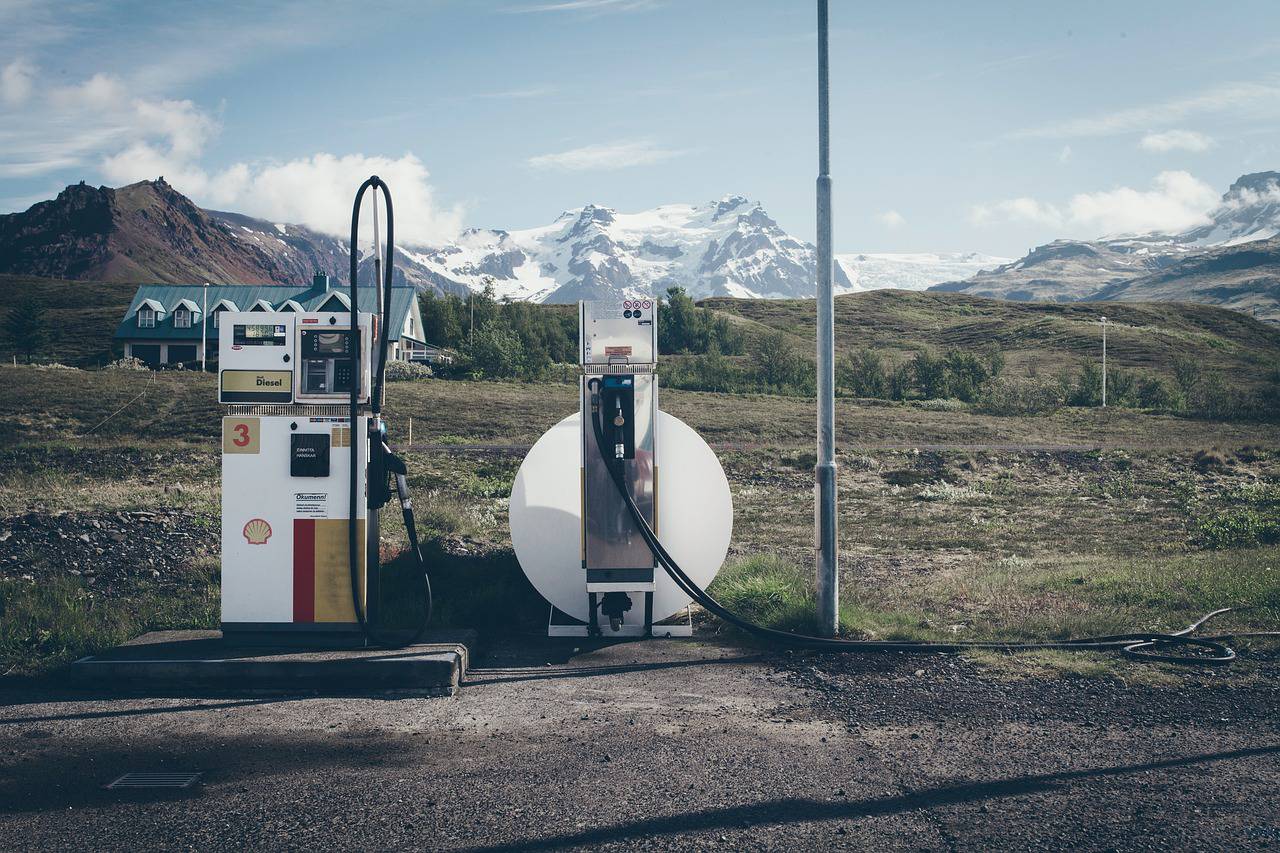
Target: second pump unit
{"points": [[572, 531]]}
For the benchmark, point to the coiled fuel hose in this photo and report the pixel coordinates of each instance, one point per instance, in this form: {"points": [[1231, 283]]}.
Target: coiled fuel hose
{"points": [[1147, 646], [382, 462]]}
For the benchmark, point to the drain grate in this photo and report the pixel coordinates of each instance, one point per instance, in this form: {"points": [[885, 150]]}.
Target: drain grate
{"points": [[140, 781]]}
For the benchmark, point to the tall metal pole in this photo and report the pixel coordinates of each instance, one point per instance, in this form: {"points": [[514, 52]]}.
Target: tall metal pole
{"points": [[204, 326], [828, 566], [1104, 362]]}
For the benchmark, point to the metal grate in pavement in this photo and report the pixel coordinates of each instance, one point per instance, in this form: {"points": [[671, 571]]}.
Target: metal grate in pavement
{"points": [[139, 781]]}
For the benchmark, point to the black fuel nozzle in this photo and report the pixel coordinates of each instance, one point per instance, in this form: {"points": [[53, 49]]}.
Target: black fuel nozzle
{"points": [[615, 605]]}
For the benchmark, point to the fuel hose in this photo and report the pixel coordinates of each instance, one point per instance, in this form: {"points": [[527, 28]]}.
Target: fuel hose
{"points": [[382, 462], [1141, 645]]}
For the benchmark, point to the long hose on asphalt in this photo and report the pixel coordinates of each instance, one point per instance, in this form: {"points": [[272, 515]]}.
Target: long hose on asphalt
{"points": [[382, 462], [1147, 646]]}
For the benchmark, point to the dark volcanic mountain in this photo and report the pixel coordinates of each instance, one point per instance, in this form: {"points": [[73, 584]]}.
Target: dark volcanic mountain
{"points": [[150, 232]]}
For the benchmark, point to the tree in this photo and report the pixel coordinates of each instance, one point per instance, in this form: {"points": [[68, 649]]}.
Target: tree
{"points": [[778, 365], [899, 381], [930, 374], [1187, 373], [1088, 388], [965, 375], [862, 373], [497, 350], [27, 329]]}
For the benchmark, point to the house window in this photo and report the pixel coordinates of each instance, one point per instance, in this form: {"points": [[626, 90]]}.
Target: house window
{"points": [[217, 312], [182, 319], [146, 318]]}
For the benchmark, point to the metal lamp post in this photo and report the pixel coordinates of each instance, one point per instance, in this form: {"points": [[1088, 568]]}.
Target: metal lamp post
{"points": [[827, 569], [204, 327], [1104, 362]]}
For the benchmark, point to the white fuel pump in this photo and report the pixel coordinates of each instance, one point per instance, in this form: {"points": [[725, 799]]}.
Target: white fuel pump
{"points": [[572, 532], [305, 468]]}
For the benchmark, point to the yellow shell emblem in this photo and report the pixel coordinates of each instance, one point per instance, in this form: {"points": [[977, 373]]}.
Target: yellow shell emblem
{"points": [[257, 531]]}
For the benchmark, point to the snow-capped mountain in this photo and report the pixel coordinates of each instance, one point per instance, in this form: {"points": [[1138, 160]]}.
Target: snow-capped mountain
{"points": [[1071, 270], [729, 247]]}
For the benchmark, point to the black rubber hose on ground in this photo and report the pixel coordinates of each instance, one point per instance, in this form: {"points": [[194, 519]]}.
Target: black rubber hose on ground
{"points": [[1139, 645], [376, 443]]}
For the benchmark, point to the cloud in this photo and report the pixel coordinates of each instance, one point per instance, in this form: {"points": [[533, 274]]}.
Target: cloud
{"points": [[16, 82], [590, 6], [1022, 209], [129, 137], [891, 219], [1176, 140], [1065, 154], [613, 155], [1176, 201], [1248, 97]]}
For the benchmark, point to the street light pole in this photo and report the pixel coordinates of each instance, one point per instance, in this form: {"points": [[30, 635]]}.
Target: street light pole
{"points": [[204, 326], [828, 583], [1104, 362]]}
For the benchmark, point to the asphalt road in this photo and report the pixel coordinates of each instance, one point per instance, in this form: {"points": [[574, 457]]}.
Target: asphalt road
{"points": [[665, 745]]}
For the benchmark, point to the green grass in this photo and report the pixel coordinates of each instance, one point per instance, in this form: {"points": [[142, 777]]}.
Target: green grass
{"points": [[58, 619]]}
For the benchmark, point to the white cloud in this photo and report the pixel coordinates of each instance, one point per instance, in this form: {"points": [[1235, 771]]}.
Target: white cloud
{"points": [[1176, 201], [16, 82], [1176, 140], [1021, 209], [613, 155], [891, 219], [133, 138], [1246, 98], [1065, 154]]}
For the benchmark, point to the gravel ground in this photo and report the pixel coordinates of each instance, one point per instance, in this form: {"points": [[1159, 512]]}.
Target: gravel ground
{"points": [[106, 549], [663, 745]]}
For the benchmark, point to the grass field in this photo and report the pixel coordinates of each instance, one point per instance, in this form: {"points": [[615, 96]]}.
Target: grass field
{"points": [[953, 524]]}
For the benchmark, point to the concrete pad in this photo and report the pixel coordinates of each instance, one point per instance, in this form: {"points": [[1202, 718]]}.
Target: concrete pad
{"points": [[193, 660]]}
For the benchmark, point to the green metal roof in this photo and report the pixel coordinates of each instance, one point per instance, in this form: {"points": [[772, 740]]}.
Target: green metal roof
{"points": [[244, 296]]}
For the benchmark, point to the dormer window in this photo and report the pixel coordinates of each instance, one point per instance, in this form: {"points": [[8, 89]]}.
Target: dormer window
{"points": [[146, 317], [336, 302], [223, 305], [182, 318], [261, 305]]}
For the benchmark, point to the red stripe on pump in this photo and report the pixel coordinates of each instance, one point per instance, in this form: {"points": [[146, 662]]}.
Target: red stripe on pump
{"points": [[304, 570]]}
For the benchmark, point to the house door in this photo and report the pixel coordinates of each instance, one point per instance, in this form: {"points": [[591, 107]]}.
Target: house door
{"points": [[150, 353], [179, 353]]}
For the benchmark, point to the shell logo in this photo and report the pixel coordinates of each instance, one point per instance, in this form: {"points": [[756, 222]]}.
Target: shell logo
{"points": [[257, 531]]}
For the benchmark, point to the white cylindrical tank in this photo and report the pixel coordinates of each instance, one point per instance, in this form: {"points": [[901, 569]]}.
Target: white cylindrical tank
{"points": [[694, 515]]}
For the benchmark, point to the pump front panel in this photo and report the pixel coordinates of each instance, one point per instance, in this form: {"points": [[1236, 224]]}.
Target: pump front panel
{"points": [[613, 549], [285, 505]]}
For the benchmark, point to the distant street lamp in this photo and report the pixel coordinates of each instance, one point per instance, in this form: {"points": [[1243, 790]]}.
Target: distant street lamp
{"points": [[1104, 362]]}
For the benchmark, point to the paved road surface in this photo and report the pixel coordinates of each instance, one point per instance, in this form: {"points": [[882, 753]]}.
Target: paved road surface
{"points": [[666, 745]]}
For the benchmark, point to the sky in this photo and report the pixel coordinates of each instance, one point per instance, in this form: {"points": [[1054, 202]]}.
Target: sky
{"points": [[978, 126]]}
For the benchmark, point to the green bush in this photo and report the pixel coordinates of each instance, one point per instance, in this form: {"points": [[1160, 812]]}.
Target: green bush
{"points": [[930, 373], [406, 371], [1013, 397], [1249, 517], [862, 374]]}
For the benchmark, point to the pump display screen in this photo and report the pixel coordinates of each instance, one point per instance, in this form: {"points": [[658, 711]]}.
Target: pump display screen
{"points": [[330, 342], [258, 335]]}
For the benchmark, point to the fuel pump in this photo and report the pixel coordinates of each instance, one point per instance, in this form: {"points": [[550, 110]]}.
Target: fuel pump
{"points": [[306, 469], [572, 530]]}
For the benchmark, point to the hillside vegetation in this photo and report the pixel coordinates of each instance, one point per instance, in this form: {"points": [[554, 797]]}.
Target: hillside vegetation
{"points": [[1041, 336]]}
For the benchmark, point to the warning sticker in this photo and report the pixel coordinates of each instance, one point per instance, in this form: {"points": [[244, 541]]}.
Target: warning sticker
{"points": [[310, 504], [617, 350]]}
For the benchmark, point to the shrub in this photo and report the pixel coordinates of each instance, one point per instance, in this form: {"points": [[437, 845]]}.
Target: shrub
{"points": [[1012, 397], [966, 375], [126, 364], [1088, 386], [930, 373], [862, 374], [406, 371], [1155, 393], [1214, 400], [942, 404], [899, 381], [779, 366]]}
